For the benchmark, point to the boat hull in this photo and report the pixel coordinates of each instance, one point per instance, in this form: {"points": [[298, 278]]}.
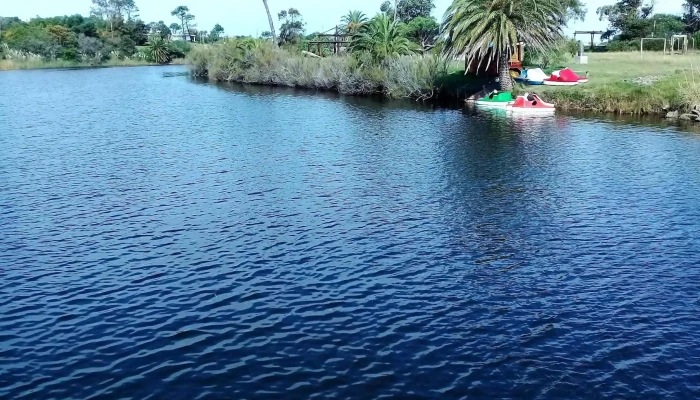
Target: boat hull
{"points": [[560, 83], [493, 104], [523, 111]]}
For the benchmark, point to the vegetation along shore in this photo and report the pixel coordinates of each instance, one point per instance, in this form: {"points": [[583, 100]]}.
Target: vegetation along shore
{"points": [[113, 35], [403, 52]]}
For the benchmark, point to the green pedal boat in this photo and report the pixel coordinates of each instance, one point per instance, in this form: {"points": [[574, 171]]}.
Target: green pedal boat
{"points": [[496, 99]]}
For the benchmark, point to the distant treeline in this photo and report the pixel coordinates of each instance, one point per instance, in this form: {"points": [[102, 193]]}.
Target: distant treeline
{"points": [[112, 31]]}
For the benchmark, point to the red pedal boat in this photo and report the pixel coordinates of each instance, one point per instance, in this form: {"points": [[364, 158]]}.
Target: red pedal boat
{"points": [[530, 104], [571, 75], [564, 77]]}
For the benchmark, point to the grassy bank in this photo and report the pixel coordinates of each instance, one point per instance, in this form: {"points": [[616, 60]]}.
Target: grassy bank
{"points": [[256, 62], [625, 84], [620, 83], [37, 63]]}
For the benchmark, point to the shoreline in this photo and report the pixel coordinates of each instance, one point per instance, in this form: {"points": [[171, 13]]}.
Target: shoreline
{"points": [[460, 96], [24, 65], [661, 86], [651, 119], [662, 99]]}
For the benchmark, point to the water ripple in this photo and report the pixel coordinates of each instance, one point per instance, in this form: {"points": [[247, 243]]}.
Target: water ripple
{"points": [[265, 243]]}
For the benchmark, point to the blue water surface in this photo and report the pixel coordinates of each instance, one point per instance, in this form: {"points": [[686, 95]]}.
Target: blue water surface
{"points": [[165, 238]]}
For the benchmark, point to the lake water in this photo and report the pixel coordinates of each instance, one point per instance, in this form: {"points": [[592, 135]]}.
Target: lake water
{"points": [[163, 238]]}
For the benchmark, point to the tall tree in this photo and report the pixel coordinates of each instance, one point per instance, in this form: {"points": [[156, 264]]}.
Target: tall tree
{"points": [[130, 10], [272, 25], [625, 16], [107, 9], [114, 9], [188, 19], [160, 29], [217, 31], [424, 31], [293, 26], [353, 21], [180, 12], [576, 10], [175, 28], [487, 31], [407, 10], [691, 15], [101, 9]]}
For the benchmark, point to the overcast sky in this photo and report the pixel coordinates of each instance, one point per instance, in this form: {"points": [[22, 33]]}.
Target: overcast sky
{"points": [[247, 17]]}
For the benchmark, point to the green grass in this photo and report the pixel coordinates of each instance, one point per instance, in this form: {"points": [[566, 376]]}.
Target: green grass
{"points": [[611, 89]]}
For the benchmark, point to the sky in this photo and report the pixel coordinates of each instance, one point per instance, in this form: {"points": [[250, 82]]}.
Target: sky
{"points": [[247, 17]]}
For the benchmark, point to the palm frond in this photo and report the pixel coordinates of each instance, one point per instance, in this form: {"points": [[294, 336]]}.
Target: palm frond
{"points": [[382, 38], [486, 29]]}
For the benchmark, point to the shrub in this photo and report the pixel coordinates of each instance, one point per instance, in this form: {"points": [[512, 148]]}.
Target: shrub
{"points": [[625, 45], [179, 49], [91, 50], [199, 60], [689, 90], [383, 39], [254, 61], [158, 50], [32, 39], [414, 76], [634, 45]]}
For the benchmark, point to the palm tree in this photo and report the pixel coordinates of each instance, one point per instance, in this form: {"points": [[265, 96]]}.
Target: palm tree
{"points": [[353, 21], [485, 30], [159, 50], [272, 25], [382, 38]]}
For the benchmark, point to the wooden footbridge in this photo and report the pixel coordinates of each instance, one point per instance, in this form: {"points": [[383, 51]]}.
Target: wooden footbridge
{"points": [[339, 41]]}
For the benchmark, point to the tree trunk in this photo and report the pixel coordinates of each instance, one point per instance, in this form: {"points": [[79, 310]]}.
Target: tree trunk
{"points": [[272, 25], [504, 72]]}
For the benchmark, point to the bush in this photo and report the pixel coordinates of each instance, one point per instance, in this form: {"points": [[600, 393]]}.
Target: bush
{"points": [[91, 50], [689, 89], [414, 76], [179, 49], [623, 45], [158, 50], [251, 61], [32, 40], [634, 45]]}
